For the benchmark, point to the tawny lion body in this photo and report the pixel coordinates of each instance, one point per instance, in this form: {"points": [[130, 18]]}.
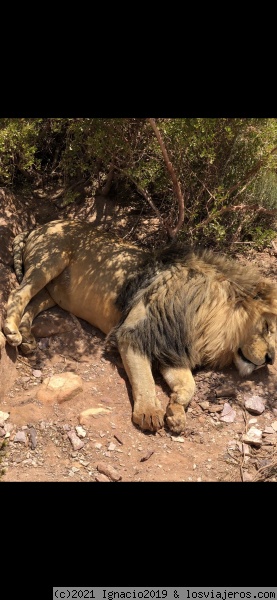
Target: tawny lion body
{"points": [[179, 309]]}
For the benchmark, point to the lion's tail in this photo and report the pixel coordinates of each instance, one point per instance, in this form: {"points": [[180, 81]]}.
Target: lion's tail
{"points": [[18, 248]]}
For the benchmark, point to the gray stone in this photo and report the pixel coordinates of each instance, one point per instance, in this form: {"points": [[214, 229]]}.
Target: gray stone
{"points": [[20, 436], [253, 437], [75, 441], [254, 404], [228, 414]]}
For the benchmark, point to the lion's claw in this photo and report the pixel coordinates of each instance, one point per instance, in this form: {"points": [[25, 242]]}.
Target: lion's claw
{"points": [[150, 420]]}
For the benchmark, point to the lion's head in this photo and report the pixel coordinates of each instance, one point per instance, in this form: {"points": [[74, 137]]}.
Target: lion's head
{"points": [[258, 349], [200, 309]]}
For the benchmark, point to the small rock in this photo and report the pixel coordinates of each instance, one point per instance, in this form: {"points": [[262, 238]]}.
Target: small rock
{"points": [[225, 392], [101, 477], [36, 373], [269, 430], [178, 438], [75, 441], [274, 425], [98, 445], [228, 414], [33, 437], [2, 432], [204, 405], [109, 471], [253, 420], [254, 404], [60, 388], [3, 417], [253, 437], [80, 431], [214, 408], [20, 437], [111, 446]]}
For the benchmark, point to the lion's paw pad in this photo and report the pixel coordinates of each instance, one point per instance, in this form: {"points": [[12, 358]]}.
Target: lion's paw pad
{"points": [[175, 418]]}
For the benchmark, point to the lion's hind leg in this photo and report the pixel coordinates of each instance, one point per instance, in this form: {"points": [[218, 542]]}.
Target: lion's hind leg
{"points": [[182, 384], [35, 279], [42, 301]]}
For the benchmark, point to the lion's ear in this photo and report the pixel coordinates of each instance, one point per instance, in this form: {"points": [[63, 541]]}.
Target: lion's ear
{"points": [[266, 293]]}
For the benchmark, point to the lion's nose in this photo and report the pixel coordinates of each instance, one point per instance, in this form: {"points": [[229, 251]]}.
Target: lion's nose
{"points": [[269, 358]]}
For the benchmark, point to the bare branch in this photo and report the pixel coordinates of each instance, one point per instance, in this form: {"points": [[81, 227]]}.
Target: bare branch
{"points": [[176, 185], [147, 197]]}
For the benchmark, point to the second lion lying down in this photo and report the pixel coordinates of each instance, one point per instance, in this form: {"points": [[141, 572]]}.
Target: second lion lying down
{"points": [[177, 308]]}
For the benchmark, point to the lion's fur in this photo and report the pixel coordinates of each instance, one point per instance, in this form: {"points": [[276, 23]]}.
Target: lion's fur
{"points": [[180, 308], [199, 307]]}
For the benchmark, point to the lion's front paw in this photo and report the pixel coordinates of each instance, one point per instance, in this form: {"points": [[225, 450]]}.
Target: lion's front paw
{"points": [[13, 336], [176, 418], [150, 419]]}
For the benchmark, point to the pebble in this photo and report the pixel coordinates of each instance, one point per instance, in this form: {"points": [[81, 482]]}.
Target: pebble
{"points": [[254, 404], [269, 430], [253, 437], [33, 437], [215, 408], [228, 414], [111, 446], [274, 425], [80, 431], [20, 437], [179, 438], [36, 373], [75, 441], [3, 417], [109, 471], [101, 477]]}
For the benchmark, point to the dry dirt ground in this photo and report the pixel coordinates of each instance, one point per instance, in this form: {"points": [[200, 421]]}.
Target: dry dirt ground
{"points": [[43, 440]]}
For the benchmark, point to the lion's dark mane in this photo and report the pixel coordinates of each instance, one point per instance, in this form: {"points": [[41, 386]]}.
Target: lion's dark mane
{"points": [[173, 285]]}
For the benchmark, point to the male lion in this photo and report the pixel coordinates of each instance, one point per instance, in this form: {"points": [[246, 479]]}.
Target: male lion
{"points": [[179, 309]]}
